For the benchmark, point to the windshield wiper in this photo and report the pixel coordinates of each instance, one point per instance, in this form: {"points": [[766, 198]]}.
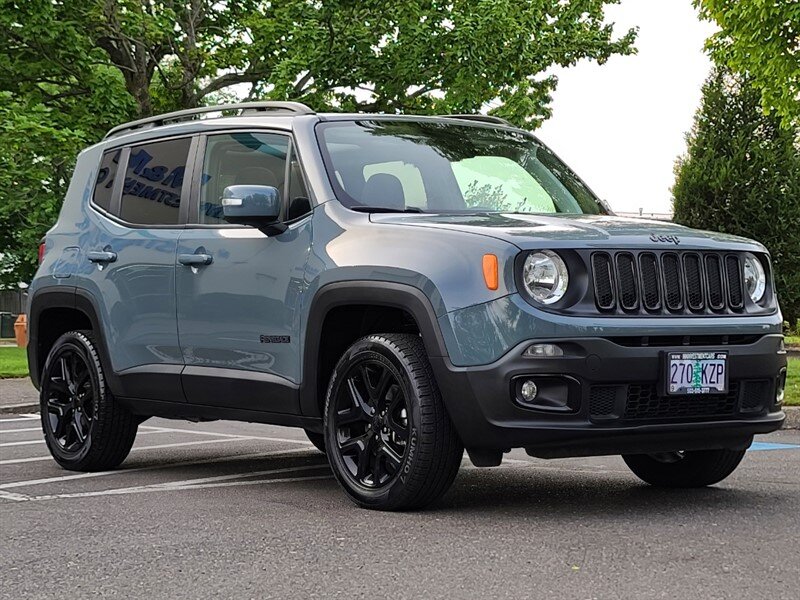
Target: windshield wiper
{"points": [[386, 209]]}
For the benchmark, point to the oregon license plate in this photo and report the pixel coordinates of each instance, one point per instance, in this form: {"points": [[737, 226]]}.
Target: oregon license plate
{"points": [[697, 373]]}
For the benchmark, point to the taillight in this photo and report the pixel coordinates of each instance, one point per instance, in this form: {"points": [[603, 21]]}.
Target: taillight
{"points": [[42, 246]]}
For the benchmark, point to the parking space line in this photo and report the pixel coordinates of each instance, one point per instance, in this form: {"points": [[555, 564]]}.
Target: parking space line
{"points": [[160, 487], [15, 461], [23, 443], [757, 446], [20, 429], [230, 435], [187, 463], [202, 480], [13, 496], [20, 418]]}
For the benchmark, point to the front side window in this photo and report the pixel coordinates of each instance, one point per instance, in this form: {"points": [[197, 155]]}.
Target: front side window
{"points": [[151, 194], [435, 166], [240, 159]]}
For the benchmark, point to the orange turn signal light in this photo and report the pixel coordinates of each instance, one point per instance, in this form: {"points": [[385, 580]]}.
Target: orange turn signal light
{"points": [[490, 272]]}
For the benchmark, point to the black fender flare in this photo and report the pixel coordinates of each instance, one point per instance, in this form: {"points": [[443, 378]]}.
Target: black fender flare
{"points": [[69, 297], [377, 293]]}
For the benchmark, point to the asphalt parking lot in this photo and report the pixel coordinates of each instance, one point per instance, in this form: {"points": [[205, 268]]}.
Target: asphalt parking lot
{"points": [[252, 511]]}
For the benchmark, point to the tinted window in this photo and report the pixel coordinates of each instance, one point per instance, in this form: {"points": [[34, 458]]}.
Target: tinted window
{"points": [[105, 179], [152, 191], [437, 166], [240, 159]]}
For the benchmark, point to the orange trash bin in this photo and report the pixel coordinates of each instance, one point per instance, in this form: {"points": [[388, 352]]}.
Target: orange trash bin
{"points": [[21, 330]]}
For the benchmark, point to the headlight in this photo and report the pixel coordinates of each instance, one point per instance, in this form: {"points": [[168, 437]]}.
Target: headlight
{"points": [[755, 280], [545, 276]]}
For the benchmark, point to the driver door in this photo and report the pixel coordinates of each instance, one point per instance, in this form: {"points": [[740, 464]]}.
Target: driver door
{"points": [[237, 315]]}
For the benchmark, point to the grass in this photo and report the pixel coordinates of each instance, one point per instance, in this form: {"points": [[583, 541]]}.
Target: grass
{"points": [[793, 383], [793, 340], [13, 362]]}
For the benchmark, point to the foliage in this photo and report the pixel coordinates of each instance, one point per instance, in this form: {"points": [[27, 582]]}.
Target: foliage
{"points": [[761, 39], [71, 69], [741, 175], [792, 397], [13, 362]]}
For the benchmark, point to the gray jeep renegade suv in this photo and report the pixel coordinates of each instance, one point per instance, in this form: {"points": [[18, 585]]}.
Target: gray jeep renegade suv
{"points": [[400, 287]]}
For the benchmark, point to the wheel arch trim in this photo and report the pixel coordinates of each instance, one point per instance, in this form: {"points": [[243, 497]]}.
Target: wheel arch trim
{"points": [[375, 293], [72, 298]]}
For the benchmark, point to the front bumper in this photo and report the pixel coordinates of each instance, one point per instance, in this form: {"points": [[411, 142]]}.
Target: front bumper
{"points": [[614, 404]]}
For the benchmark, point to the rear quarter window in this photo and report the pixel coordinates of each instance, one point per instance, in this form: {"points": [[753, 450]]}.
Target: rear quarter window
{"points": [[106, 175]]}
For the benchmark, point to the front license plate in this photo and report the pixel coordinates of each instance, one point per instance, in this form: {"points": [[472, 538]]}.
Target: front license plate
{"points": [[697, 373]]}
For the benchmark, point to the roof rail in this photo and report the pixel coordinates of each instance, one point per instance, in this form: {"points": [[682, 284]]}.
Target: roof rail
{"points": [[187, 115], [482, 118]]}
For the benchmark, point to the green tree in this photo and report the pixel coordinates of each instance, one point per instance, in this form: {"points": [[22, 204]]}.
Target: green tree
{"points": [[762, 39], [71, 69], [741, 175]]}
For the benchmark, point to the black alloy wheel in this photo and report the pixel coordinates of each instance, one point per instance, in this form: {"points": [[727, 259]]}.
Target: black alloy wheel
{"points": [[69, 400], [84, 426], [389, 439], [371, 422]]}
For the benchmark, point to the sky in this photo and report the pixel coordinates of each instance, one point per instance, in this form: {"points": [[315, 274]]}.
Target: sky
{"points": [[621, 125]]}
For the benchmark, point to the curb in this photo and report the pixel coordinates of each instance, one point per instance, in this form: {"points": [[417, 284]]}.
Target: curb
{"points": [[17, 409]]}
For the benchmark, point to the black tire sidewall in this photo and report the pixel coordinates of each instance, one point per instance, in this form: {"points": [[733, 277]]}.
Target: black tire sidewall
{"points": [[81, 344], [393, 493]]}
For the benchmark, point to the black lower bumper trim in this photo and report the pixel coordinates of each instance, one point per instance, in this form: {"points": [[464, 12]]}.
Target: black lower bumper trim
{"points": [[483, 404]]}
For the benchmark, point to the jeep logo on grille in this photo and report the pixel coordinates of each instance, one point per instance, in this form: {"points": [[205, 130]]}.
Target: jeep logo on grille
{"points": [[667, 239]]}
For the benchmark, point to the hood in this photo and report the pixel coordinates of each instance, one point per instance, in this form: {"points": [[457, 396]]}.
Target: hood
{"points": [[563, 231]]}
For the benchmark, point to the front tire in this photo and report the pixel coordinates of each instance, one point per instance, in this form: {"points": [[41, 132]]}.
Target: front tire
{"points": [[698, 468], [389, 440], [84, 427]]}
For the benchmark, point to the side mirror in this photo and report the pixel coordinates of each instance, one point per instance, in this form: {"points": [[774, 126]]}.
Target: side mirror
{"points": [[255, 205]]}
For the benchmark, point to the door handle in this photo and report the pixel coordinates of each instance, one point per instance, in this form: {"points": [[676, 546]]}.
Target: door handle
{"points": [[195, 260], [101, 256]]}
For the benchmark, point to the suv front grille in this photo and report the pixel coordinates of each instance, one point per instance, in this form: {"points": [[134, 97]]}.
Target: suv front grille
{"points": [[642, 402], [668, 282]]}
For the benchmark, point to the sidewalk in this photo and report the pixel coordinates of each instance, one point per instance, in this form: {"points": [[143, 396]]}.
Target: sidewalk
{"points": [[18, 396]]}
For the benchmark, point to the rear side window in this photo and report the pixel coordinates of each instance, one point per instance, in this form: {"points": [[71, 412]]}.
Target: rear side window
{"points": [[106, 175], [151, 194]]}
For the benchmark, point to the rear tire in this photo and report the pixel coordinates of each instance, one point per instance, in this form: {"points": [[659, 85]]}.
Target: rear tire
{"points": [[697, 468], [389, 440], [84, 427]]}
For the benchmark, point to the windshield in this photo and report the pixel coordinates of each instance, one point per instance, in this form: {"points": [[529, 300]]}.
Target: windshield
{"points": [[431, 166]]}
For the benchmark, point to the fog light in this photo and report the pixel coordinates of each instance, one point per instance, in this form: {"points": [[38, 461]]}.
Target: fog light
{"points": [[528, 390], [543, 351]]}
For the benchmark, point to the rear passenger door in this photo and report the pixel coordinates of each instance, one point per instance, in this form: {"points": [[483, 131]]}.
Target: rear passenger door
{"points": [[129, 262], [238, 320]]}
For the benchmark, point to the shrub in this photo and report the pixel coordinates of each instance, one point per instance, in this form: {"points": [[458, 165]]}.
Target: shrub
{"points": [[741, 175]]}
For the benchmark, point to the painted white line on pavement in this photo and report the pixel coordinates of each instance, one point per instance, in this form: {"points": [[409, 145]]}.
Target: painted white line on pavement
{"points": [[20, 418], [20, 429], [175, 488], [194, 482], [25, 443], [185, 463], [13, 496], [158, 447], [41, 441], [230, 435]]}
